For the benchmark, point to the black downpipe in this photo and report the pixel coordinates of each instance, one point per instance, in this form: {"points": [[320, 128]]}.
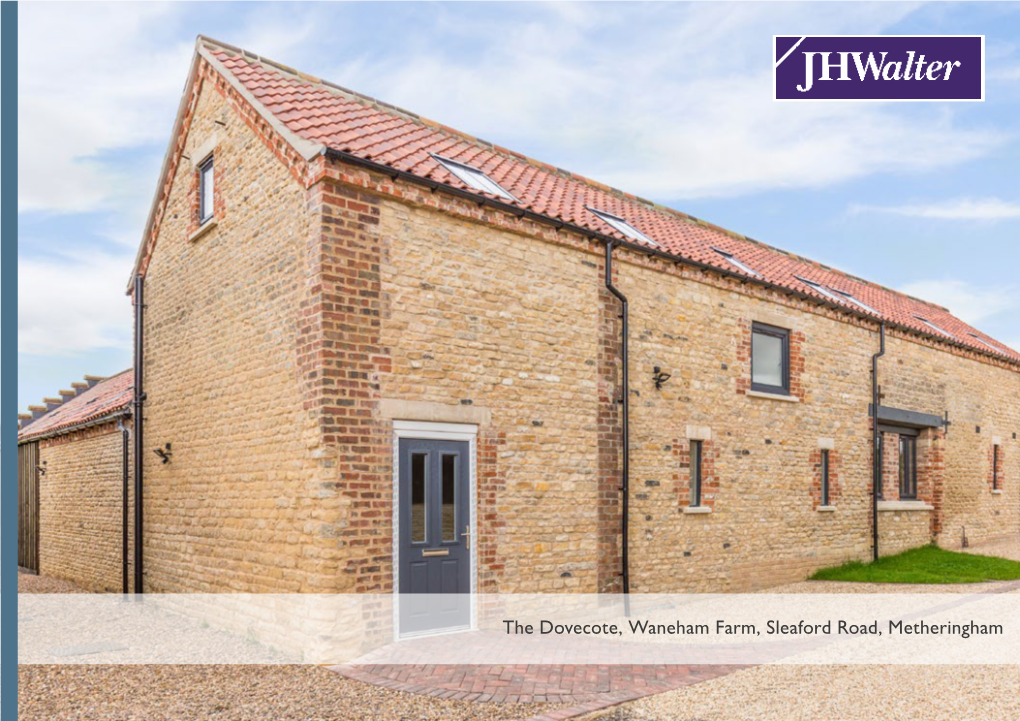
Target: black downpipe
{"points": [[125, 573], [139, 421], [625, 401], [876, 441]]}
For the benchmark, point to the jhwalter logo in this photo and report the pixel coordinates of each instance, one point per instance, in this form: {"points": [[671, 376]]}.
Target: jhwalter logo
{"points": [[879, 67]]}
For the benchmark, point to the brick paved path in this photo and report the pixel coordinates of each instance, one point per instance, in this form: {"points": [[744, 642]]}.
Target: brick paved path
{"points": [[586, 688]]}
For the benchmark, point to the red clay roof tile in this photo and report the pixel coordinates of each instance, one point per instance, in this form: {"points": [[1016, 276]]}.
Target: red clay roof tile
{"points": [[105, 397], [373, 131]]}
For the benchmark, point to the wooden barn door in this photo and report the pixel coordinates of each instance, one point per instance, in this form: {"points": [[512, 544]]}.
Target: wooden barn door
{"points": [[28, 506]]}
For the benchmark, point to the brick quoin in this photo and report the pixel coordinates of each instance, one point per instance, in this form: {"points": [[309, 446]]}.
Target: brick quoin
{"points": [[341, 357]]}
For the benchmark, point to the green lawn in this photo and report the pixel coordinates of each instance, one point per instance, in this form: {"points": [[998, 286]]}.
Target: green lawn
{"points": [[928, 564]]}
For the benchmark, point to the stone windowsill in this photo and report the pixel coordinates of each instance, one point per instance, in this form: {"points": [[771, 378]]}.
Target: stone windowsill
{"points": [[826, 509], [904, 506], [202, 230], [997, 492], [697, 510], [773, 397]]}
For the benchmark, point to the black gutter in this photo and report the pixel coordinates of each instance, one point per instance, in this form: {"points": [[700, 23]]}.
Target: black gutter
{"points": [[520, 212], [625, 401], [108, 418], [139, 392], [876, 441], [125, 492]]}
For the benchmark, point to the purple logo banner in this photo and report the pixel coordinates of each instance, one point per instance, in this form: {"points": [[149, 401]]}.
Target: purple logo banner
{"points": [[879, 67]]}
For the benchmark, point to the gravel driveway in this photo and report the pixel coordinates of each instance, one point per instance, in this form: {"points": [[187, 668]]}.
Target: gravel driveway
{"points": [[845, 693], [224, 693], [763, 693], [229, 693]]}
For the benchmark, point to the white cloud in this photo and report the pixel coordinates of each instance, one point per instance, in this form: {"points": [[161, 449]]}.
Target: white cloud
{"points": [[679, 108], [970, 303], [98, 79], [68, 305], [955, 209]]}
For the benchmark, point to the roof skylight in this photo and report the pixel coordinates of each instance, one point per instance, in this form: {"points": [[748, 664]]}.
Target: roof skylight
{"points": [[622, 226], [859, 303], [819, 287], [935, 327], [978, 338], [837, 295], [736, 263], [474, 178]]}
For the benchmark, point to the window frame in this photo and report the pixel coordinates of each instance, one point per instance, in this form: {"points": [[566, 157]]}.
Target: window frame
{"points": [[784, 335], [908, 469], [206, 166], [936, 328], [621, 225], [696, 454], [474, 178], [879, 492], [853, 299], [826, 470], [737, 263], [995, 466]]}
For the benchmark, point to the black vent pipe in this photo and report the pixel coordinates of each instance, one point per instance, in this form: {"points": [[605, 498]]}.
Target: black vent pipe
{"points": [[876, 444], [625, 402], [139, 420]]}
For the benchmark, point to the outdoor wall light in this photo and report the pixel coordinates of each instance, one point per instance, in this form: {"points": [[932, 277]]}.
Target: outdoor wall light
{"points": [[660, 377], [164, 453], [41, 469]]}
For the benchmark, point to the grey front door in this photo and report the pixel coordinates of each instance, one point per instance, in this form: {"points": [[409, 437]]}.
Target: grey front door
{"points": [[435, 550]]}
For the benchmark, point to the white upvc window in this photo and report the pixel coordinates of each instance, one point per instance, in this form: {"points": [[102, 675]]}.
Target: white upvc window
{"points": [[474, 178], [206, 190], [736, 263], [622, 226]]}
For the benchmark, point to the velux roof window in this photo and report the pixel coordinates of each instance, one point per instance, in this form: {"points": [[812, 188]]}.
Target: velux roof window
{"points": [[621, 225], [837, 295], [859, 303], [736, 263], [474, 178], [819, 287], [979, 339], [935, 327]]}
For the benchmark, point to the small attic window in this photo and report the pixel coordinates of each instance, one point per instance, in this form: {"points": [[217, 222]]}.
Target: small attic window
{"points": [[205, 190], [474, 178], [859, 303], [622, 226], [979, 339], [935, 327], [736, 263]]}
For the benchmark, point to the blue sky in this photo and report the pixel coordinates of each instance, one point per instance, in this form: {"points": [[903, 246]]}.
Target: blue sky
{"points": [[669, 101]]}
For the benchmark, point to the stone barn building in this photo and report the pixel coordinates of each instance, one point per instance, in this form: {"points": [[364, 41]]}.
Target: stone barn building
{"points": [[74, 484], [391, 357]]}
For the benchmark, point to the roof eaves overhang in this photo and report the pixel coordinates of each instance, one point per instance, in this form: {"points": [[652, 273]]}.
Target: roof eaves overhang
{"points": [[521, 212], [59, 431]]}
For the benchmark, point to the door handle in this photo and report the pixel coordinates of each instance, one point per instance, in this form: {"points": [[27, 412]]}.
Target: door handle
{"points": [[467, 541], [430, 552]]}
